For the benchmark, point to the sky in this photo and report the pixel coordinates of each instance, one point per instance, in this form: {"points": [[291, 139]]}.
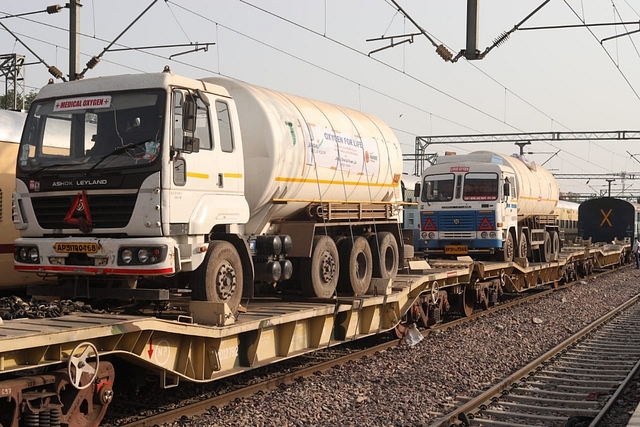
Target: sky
{"points": [[556, 80]]}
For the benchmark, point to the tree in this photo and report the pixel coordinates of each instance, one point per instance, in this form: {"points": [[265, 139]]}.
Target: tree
{"points": [[6, 101]]}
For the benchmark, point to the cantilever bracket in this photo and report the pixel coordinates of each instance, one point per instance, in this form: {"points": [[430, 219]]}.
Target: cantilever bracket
{"points": [[393, 43]]}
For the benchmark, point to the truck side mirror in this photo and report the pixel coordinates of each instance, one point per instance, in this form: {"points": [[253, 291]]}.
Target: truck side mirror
{"points": [[416, 191], [189, 115], [190, 144], [506, 190]]}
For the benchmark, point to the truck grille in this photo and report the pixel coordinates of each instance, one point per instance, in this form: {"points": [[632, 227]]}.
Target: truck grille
{"points": [[446, 221], [458, 235], [107, 211]]}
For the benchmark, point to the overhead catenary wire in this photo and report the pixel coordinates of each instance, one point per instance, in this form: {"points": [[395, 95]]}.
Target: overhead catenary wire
{"points": [[376, 91], [352, 49], [191, 65], [408, 75], [606, 51]]}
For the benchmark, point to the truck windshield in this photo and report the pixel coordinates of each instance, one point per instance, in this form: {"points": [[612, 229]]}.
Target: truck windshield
{"points": [[111, 130], [480, 186], [438, 188]]}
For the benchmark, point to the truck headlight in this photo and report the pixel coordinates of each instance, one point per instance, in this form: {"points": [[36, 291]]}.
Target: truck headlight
{"points": [[143, 255], [126, 256], [28, 254], [484, 234], [492, 234]]}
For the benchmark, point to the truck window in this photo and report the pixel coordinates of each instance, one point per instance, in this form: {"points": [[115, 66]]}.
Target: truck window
{"points": [[224, 124], [438, 188], [480, 186], [77, 132], [458, 186], [203, 124]]}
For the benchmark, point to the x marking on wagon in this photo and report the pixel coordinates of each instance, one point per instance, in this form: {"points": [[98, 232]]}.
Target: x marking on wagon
{"points": [[605, 217]]}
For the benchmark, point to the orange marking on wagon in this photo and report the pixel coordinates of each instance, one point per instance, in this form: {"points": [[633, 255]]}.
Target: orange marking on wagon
{"points": [[605, 217]]}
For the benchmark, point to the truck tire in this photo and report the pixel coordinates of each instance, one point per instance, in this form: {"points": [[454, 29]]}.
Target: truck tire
{"points": [[508, 249], [523, 246], [546, 249], [356, 265], [320, 273], [385, 253], [219, 277]]}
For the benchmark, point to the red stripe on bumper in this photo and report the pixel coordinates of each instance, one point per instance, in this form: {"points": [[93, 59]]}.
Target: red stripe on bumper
{"points": [[95, 270]]}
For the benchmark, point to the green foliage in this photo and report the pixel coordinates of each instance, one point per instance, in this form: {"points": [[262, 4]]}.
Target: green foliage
{"points": [[6, 101]]}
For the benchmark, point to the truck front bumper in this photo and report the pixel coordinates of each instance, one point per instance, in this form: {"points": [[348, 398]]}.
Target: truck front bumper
{"points": [[154, 256]]}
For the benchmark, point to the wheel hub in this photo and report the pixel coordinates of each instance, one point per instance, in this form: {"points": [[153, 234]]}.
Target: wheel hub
{"points": [[226, 282], [327, 267]]}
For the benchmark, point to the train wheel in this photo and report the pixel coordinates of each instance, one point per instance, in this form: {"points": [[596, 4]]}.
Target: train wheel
{"points": [[555, 245], [468, 301], [219, 278], [321, 272], [523, 246], [385, 252], [545, 248], [508, 249], [357, 263]]}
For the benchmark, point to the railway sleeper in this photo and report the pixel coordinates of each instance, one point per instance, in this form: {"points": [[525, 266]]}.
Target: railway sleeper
{"points": [[51, 399]]}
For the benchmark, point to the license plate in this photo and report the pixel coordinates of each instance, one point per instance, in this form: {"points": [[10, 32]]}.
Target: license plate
{"points": [[73, 247], [456, 249]]}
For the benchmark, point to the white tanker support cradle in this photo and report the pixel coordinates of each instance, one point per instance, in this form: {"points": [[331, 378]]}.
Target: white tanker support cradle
{"points": [[187, 347]]}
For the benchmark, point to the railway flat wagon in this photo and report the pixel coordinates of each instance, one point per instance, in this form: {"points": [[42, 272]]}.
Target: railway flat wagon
{"points": [[606, 218]]}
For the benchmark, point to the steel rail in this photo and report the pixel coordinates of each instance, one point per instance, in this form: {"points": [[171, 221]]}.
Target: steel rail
{"points": [[474, 405]]}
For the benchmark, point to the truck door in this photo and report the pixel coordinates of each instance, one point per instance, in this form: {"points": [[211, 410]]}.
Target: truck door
{"points": [[511, 201], [207, 186]]}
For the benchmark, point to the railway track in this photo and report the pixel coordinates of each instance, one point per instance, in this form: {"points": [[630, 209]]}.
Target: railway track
{"points": [[577, 381], [315, 363]]}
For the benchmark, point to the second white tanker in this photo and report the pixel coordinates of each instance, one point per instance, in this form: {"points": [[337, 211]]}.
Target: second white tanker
{"points": [[491, 204], [214, 184]]}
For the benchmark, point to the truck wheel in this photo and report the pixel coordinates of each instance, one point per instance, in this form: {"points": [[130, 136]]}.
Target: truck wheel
{"points": [[219, 278], [384, 249], [555, 245], [545, 248], [320, 273], [357, 265], [523, 246], [508, 249]]}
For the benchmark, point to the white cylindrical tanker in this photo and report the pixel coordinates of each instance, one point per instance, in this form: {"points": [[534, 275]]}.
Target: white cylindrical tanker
{"points": [[302, 149], [537, 189], [233, 186], [490, 204]]}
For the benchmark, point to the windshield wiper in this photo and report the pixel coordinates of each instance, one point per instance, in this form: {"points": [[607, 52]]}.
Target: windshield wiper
{"points": [[54, 165], [117, 150]]}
